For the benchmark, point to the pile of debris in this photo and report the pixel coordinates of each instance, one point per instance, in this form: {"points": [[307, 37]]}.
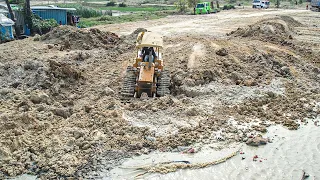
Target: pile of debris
{"points": [[74, 38], [271, 30]]}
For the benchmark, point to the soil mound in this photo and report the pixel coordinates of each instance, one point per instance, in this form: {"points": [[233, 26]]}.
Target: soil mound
{"points": [[74, 38], [290, 21], [272, 29], [131, 38]]}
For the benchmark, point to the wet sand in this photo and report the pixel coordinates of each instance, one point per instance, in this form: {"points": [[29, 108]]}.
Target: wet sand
{"points": [[287, 157]]}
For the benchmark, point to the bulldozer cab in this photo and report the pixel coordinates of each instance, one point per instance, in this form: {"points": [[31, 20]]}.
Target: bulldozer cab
{"points": [[147, 74], [149, 40]]}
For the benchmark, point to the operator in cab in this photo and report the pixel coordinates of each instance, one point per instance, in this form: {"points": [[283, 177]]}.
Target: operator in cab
{"points": [[146, 52]]}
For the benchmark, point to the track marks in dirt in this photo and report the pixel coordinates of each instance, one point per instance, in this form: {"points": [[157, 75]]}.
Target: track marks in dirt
{"points": [[198, 52]]}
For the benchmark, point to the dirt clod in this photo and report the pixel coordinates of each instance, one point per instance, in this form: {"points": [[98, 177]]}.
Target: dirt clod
{"points": [[222, 52]]}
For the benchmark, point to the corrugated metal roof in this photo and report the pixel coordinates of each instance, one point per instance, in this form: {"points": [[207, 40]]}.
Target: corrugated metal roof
{"points": [[3, 11], [52, 7], [58, 15], [4, 21], [3, 8]]}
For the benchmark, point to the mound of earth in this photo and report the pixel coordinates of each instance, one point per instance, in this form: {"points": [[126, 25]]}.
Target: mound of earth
{"points": [[73, 38], [272, 29], [131, 39], [61, 115], [59, 106]]}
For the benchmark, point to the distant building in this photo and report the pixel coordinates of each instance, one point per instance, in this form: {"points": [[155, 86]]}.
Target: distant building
{"points": [[3, 9], [61, 15], [18, 14], [6, 32]]}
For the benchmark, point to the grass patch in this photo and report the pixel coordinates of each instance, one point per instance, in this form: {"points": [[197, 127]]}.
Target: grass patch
{"points": [[136, 9], [94, 10], [89, 22], [228, 6], [83, 11]]}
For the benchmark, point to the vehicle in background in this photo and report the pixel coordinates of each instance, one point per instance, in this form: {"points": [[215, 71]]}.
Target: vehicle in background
{"points": [[203, 8], [261, 4], [315, 5]]}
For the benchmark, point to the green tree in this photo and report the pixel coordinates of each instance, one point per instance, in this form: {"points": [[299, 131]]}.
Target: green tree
{"points": [[277, 3], [16, 28], [181, 5], [193, 4], [16, 1]]}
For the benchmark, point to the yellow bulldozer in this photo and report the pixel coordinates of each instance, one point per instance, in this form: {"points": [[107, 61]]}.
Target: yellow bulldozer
{"points": [[147, 75]]}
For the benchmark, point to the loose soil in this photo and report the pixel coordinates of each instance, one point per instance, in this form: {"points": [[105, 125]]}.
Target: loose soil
{"points": [[61, 114]]}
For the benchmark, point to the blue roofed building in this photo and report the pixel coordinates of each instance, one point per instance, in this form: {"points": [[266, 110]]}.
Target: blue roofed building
{"points": [[6, 31], [61, 15]]}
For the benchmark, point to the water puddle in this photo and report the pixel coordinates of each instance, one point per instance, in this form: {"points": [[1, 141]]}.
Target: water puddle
{"points": [[287, 157]]}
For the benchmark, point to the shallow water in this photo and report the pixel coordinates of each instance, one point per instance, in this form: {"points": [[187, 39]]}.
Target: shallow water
{"points": [[25, 177], [289, 154]]}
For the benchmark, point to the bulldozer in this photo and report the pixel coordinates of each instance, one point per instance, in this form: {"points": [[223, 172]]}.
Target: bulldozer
{"points": [[147, 77]]}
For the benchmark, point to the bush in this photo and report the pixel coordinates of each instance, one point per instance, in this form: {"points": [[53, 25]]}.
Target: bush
{"points": [[216, 10], [85, 12], [16, 1], [122, 5], [111, 3], [225, 7], [145, 2], [105, 18], [181, 5], [43, 26], [228, 6]]}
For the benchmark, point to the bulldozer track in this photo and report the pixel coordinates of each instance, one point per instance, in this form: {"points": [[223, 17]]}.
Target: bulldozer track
{"points": [[163, 84], [128, 86]]}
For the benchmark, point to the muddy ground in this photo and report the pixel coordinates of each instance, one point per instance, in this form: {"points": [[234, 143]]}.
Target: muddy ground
{"points": [[61, 114]]}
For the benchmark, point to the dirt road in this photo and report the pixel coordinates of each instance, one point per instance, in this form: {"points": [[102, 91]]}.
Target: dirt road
{"points": [[216, 25], [61, 114]]}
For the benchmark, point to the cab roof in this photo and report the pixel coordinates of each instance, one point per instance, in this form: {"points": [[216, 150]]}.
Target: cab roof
{"points": [[149, 39]]}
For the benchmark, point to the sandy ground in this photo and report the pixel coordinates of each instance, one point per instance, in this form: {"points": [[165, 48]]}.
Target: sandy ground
{"points": [[215, 25], [61, 114]]}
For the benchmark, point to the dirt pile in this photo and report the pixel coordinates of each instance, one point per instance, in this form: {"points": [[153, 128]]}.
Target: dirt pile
{"points": [[61, 115], [131, 39], [74, 38], [273, 30], [58, 106], [251, 70]]}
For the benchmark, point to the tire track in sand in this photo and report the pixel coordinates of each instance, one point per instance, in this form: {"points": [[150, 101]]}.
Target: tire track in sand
{"points": [[198, 52]]}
